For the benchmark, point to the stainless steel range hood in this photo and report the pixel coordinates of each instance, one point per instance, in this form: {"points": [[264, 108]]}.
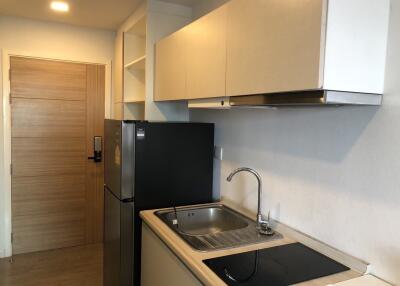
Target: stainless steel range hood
{"points": [[303, 98]]}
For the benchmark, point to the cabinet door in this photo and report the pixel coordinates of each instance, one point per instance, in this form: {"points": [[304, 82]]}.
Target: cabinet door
{"points": [[274, 45], [160, 267], [170, 67], [206, 50]]}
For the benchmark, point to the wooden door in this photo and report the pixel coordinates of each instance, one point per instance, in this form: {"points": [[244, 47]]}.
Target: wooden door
{"points": [[57, 193], [274, 46], [206, 56]]}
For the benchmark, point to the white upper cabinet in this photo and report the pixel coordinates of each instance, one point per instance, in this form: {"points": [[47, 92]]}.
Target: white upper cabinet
{"points": [[274, 46], [249, 47], [170, 67], [191, 63], [356, 44], [291, 45], [206, 56]]}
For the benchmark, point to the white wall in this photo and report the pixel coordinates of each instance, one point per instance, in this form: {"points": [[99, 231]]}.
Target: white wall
{"points": [[333, 173], [48, 40]]}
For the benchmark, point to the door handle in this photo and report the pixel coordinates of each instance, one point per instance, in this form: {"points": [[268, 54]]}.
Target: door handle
{"points": [[97, 149]]}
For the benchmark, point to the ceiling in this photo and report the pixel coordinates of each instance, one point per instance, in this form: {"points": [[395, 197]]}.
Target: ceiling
{"points": [[104, 14]]}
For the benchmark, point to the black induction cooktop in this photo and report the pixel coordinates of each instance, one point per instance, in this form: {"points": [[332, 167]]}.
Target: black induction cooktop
{"points": [[276, 266]]}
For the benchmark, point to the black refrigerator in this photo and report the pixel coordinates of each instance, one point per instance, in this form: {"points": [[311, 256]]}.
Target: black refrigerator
{"points": [[149, 165]]}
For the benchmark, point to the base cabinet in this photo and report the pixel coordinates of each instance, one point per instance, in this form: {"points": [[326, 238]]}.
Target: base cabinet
{"points": [[160, 267]]}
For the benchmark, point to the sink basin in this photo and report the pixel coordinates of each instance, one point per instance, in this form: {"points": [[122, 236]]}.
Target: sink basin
{"points": [[208, 220], [212, 227]]}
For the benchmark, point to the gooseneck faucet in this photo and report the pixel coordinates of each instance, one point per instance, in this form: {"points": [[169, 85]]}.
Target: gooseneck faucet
{"points": [[263, 225]]}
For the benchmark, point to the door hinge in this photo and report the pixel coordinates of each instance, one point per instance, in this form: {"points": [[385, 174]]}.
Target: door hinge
{"points": [[9, 98], [11, 169], [12, 237]]}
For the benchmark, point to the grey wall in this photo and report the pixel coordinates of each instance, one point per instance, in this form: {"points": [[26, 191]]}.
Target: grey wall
{"points": [[333, 173], [205, 6]]}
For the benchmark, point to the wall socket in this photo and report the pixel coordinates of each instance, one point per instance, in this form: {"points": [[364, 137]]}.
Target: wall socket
{"points": [[218, 153]]}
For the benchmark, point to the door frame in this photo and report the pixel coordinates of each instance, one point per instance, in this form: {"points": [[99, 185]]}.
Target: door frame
{"points": [[5, 185]]}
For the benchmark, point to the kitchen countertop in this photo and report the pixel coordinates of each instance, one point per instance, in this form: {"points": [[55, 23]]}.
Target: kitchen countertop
{"points": [[194, 259], [367, 280]]}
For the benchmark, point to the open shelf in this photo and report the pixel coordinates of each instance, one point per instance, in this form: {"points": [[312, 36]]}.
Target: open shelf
{"points": [[137, 64], [134, 100], [134, 70], [134, 111]]}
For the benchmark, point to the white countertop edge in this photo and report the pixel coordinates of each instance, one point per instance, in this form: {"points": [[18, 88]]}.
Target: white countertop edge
{"points": [[366, 280]]}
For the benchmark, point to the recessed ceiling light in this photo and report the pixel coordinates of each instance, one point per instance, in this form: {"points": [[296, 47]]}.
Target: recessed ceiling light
{"points": [[59, 6]]}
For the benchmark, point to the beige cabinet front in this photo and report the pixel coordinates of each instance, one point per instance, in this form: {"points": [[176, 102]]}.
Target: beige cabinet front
{"points": [[170, 67], [274, 46], [160, 267], [191, 63], [206, 56]]}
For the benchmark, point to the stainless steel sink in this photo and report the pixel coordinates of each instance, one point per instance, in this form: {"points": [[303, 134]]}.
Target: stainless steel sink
{"points": [[203, 221], [213, 227]]}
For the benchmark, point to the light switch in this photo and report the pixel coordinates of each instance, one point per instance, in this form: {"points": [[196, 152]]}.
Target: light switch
{"points": [[218, 153]]}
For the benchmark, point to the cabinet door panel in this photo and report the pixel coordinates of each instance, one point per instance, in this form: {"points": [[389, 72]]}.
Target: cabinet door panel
{"points": [[274, 45], [160, 266], [206, 52], [170, 67]]}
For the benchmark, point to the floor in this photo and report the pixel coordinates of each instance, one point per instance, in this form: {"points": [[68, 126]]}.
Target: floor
{"points": [[77, 266]]}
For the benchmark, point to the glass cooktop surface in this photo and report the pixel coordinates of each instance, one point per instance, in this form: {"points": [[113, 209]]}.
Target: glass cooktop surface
{"points": [[276, 266]]}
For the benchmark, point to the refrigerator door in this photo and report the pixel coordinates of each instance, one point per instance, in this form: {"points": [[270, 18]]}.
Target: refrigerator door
{"points": [[118, 242], [173, 164], [127, 244], [119, 158], [112, 239]]}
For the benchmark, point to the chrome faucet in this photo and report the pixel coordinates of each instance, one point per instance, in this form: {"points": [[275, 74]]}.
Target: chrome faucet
{"points": [[263, 224]]}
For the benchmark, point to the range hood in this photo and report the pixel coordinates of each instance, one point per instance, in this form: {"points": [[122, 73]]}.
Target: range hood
{"points": [[303, 98]]}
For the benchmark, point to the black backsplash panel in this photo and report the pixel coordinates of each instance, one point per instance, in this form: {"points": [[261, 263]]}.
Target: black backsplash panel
{"points": [[277, 266]]}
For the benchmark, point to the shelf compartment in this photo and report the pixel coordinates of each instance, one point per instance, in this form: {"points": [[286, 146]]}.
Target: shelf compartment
{"points": [[135, 100], [137, 64], [134, 111]]}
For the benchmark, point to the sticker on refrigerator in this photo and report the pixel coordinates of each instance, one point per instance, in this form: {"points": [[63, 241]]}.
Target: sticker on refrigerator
{"points": [[140, 134], [117, 156]]}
